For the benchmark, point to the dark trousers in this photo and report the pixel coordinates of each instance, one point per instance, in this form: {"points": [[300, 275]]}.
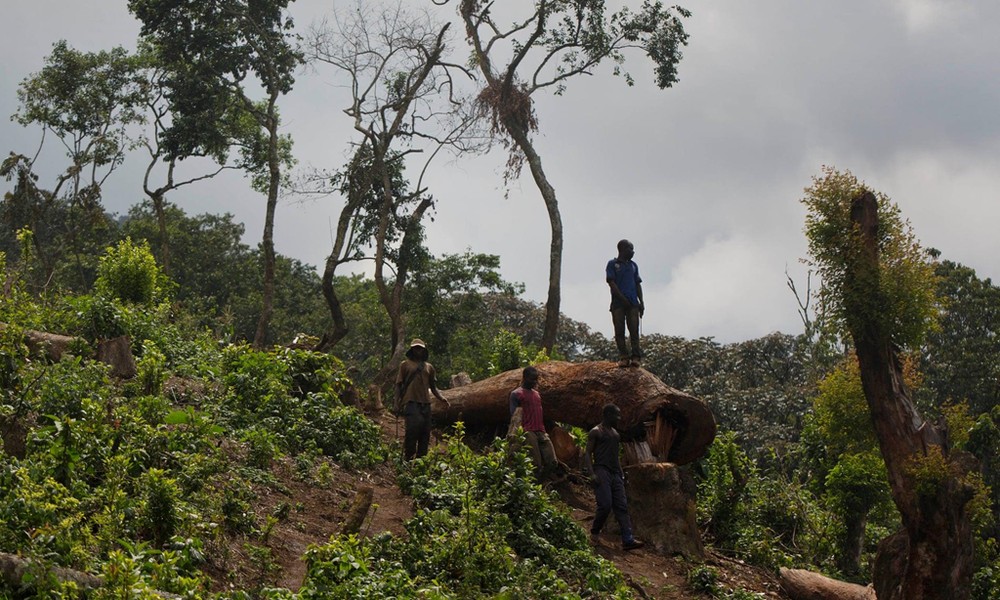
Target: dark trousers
{"points": [[622, 317], [610, 493], [417, 417]]}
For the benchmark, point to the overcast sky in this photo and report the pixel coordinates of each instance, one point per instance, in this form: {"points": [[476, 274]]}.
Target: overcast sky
{"points": [[704, 178]]}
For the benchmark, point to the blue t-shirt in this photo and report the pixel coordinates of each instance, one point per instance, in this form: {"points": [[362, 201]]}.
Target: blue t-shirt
{"points": [[625, 274]]}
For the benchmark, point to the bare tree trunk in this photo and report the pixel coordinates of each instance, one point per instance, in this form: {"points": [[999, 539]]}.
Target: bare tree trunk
{"points": [[267, 299], [519, 134], [849, 561], [161, 223], [935, 555], [360, 506], [339, 329]]}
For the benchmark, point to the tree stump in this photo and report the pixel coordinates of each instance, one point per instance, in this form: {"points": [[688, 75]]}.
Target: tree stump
{"points": [[661, 500], [117, 352]]}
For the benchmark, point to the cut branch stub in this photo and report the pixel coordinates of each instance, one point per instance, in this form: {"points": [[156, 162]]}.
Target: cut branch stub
{"points": [[575, 393]]}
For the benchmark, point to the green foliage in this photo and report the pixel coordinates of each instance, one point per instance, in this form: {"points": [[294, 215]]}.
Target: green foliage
{"points": [[839, 423], [767, 520], [160, 512], [961, 359], [704, 579], [128, 272], [986, 582], [293, 395], [901, 295], [857, 484], [484, 528]]}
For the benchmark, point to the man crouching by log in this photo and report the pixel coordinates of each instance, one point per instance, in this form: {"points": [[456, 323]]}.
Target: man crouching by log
{"points": [[528, 401], [601, 464]]}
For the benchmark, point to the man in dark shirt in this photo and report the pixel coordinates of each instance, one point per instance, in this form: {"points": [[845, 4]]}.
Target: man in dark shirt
{"points": [[414, 379], [626, 302], [600, 462]]}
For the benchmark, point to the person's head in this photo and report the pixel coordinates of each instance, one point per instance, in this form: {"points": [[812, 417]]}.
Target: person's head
{"points": [[529, 378], [418, 350], [625, 250], [611, 415]]}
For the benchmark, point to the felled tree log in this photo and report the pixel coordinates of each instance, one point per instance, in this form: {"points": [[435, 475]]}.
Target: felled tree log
{"points": [[47, 345], [806, 585], [116, 352], [575, 393], [13, 568]]}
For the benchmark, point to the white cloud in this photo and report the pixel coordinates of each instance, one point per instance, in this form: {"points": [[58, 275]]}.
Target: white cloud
{"points": [[924, 15], [731, 289]]}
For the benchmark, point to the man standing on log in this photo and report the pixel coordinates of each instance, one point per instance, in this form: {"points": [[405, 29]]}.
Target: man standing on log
{"points": [[601, 464], [527, 399], [415, 377], [626, 302]]}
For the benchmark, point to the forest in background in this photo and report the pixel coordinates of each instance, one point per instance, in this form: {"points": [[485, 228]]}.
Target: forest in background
{"points": [[140, 482]]}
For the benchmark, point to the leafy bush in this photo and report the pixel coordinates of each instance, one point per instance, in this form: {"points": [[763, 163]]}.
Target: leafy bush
{"points": [[293, 394], [128, 272], [484, 522], [766, 519]]}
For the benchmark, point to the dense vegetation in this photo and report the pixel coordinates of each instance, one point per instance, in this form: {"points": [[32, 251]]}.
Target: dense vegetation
{"points": [[150, 481], [145, 480]]}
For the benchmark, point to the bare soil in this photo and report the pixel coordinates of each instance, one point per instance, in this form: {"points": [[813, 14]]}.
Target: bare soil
{"points": [[312, 512]]}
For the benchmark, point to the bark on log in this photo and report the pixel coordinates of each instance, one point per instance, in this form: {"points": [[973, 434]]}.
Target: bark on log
{"points": [[13, 568], [575, 393], [567, 452], [50, 346], [806, 585]]}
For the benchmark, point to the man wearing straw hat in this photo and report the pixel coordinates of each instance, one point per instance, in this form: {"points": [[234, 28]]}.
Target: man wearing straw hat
{"points": [[414, 379]]}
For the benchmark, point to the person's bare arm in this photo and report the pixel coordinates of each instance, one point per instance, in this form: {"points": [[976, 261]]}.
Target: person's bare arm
{"points": [[642, 305]]}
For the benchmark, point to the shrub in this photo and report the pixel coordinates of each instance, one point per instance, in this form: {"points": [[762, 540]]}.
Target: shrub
{"points": [[128, 272], [159, 510]]}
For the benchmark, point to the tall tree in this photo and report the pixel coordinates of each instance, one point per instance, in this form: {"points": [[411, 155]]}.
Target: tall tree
{"points": [[402, 96], [233, 131], [208, 51], [555, 41], [89, 102], [882, 287], [961, 359]]}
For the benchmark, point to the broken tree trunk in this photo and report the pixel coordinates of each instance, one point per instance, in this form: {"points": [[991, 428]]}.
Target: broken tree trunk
{"points": [[932, 557], [575, 393], [806, 585]]}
